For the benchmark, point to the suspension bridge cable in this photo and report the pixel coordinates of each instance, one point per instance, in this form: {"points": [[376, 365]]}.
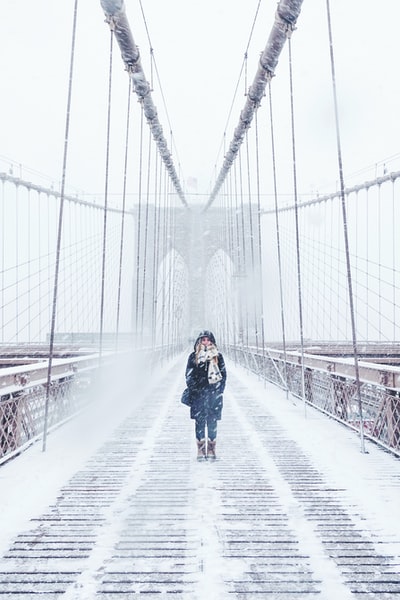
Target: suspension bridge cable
{"points": [[230, 231], [16, 242], [259, 240], [285, 19], [165, 255], [171, 270], [105, 213], [256, 261], [367, 226], [145, 239], [394, 256], [69, 280], [345, 230], [296, 212], [29, 264], [122, 238], [59, 232], [225, 243], [3, 255], [278, 238], [114, 11], [238, 266], [155, 253], [243, 67], [153, 61], [158, 234], [251, 233], [246, 312], [139, 224], [392, 177]]}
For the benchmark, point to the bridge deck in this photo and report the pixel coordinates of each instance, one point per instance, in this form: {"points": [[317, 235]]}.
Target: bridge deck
{"points": [[291, 508]]}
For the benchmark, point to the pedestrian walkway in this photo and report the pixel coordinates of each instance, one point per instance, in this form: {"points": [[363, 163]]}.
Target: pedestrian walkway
{"points": [[290, 509]]}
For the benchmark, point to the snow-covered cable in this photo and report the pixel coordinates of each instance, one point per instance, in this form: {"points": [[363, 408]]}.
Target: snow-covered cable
{"points": [[117, 19], [285, 19]]}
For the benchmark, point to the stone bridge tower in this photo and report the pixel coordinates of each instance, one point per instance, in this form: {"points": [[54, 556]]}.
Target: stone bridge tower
{"points": [[196, 236]]}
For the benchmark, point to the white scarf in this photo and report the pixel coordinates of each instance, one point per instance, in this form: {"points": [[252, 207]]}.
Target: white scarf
{"points": [[210, 354]]}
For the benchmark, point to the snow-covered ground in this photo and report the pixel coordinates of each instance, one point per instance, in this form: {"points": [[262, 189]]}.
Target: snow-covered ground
{"points": [[369, 483], [371, 480]]}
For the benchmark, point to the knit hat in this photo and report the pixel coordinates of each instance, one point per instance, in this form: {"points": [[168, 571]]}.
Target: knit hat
{"points": [[205, 333]]}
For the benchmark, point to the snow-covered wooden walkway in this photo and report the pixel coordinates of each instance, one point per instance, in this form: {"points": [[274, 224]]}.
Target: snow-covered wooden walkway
{"points": [[290, 509]]}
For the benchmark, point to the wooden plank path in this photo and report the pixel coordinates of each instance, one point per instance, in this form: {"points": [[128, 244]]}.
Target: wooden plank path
{"points": [[143, 518]]}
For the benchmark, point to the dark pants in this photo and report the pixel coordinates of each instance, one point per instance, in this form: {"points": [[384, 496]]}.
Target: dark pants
{"points": [[200, 425]]}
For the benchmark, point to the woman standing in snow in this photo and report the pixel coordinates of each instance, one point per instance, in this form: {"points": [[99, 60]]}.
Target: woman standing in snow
{"points": [[205, 379]]}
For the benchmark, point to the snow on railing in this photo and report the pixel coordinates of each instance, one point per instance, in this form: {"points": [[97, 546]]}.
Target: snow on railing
{"points": [[23, 398], [331, 388]]}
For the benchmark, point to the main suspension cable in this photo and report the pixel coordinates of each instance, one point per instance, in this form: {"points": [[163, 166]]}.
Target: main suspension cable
{"points": [[117, 20], [242, 68], [285, 19]]}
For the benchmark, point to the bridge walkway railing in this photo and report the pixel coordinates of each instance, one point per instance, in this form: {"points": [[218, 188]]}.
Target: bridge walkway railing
{"points": [[330, 386]]}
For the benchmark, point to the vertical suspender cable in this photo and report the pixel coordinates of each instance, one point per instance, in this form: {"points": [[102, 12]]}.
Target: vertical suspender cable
{"points": [[228, 245], [59, 232], [164, 254], [246, 312], [260, 261], [278, 239], [231, 231], [3, 254], [139, 228], [29, 267], [39, 251], [239, 266], [16, 240], [379, 267], [367, 266], [394, 256], [156, 241], [296, 212], [170, 265], [167, 273], [157, 257], [122, 237], [145, 241], [345, 233], [251, 233], [105, 212]]}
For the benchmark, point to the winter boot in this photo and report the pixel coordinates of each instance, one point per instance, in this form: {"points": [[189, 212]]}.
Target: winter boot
{"points": [[211, 449], [201, 449]]}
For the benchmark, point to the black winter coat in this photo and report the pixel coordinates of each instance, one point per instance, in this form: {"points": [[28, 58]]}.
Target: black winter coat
{"points": [[207, 399]]}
